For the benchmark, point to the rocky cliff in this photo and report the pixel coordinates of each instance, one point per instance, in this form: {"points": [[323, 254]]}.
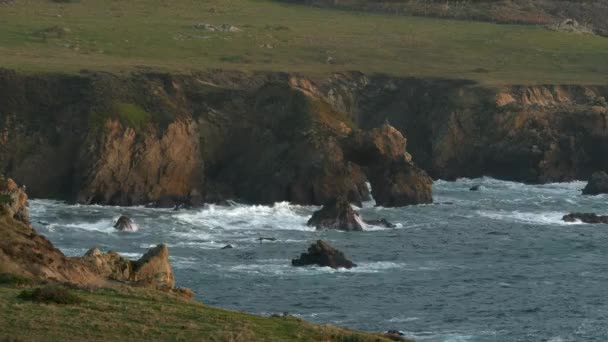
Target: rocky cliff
{"points": [[267, 137], [25, 253]]}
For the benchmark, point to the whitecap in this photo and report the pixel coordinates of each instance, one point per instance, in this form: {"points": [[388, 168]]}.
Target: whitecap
{"points": [[106, 226], [280, 216], [542, 218]]}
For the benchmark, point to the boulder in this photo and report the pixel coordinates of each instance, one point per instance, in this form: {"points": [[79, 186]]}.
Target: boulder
{"points": [[228, 247], [322, 254], [152, 270], [337, 214], [381, 223], [125, 224], [598, 184], [586, 218]]}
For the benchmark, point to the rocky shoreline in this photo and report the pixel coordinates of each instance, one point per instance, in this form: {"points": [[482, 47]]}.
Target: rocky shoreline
{"points": [[167, 140]]}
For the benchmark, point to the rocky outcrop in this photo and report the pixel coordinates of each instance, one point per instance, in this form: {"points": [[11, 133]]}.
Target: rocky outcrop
{"points": [[586, 218], [337, 214], [322, 254], [26, 253], [396, 181], [598, 184], [151, 270], [13, 201], [125, 224]]}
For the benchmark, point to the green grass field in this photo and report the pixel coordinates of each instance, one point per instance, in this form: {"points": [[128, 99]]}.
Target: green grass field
{"points": [[144, 315], [41, 35]]}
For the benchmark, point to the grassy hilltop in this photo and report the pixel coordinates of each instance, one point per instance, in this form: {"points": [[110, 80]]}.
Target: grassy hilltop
{"points": [[43, 35], [148, 315]]}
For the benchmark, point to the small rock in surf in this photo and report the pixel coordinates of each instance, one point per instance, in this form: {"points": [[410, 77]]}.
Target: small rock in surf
{"points": [[125, 224], [598, 184], [337, 214], [322, 254], [590, 218]]}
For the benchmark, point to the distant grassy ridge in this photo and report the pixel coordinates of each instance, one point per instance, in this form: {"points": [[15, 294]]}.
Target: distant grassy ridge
{"points": [[146, 315], [43, 36], [591, 13]]}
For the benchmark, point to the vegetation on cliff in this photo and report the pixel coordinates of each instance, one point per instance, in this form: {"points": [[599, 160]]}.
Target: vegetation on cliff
{"points": [[275, 36]]}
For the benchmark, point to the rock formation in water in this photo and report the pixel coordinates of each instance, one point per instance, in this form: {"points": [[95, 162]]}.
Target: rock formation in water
{"points": [[267, 137], [598, 184], [322, 254], [586, 218], [125, 224], [24, 252], [337, 214]]}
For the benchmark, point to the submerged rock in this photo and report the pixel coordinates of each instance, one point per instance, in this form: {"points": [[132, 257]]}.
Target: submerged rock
{"points": [[227, 247], [267, 239], [381, 223], [475, 188], [590, 218], [322, 254], [125, 224], [337, 214], [598, 184]]}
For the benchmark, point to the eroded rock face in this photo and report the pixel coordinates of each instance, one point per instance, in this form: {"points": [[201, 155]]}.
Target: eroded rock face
{"points": [[586, 218], [24, 252], [13, 200], [598, 184], [322, 254], [396, 181], [151, 270], [337, 214]]}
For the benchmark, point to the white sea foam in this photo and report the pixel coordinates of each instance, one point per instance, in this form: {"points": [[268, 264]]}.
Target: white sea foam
{"points": [[105, 226], [542, 218], [280, 216], [279, 267]]}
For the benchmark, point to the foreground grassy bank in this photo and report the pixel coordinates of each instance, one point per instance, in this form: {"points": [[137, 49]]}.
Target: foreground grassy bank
{"points": [[272, 36], [129, 314]]}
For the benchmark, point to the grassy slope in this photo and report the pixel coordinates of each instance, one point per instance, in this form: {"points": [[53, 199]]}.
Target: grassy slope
{"points": [[130, 315], [124, 35]]}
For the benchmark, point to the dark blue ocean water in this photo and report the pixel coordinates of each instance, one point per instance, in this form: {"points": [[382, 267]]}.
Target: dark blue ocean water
{"points": [[494, 265]]}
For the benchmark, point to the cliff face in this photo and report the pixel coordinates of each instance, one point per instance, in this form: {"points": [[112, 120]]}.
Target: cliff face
{"points": [[100, 138], [456, 129]]}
